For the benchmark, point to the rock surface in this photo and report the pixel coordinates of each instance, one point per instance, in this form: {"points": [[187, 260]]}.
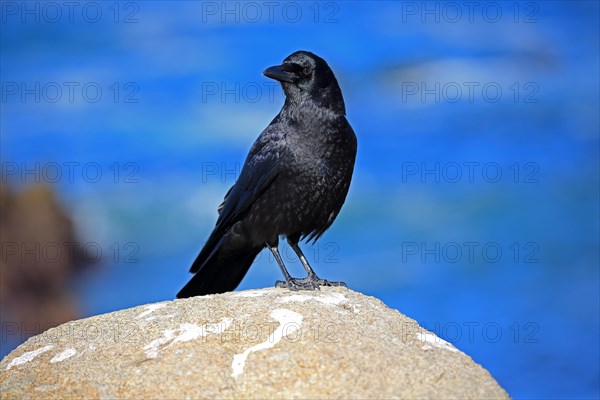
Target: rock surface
{"points": [[268, 343]]}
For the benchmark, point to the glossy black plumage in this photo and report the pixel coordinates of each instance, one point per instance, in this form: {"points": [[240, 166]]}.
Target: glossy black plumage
{"points": [[294, 181]]}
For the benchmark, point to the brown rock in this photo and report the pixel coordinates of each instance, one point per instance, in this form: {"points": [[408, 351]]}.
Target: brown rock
{"points": [[269, 343], [37, 265]]}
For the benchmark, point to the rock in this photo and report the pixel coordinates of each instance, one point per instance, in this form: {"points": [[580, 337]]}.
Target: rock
{"points": [[268, 343], [38, 263]]}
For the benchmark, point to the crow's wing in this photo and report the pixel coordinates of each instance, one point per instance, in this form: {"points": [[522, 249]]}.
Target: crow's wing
{"points": [[220, 208], [258, 173], [256, 176]]}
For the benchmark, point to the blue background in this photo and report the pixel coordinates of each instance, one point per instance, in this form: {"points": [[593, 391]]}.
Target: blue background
{"points": [[191, 100]]}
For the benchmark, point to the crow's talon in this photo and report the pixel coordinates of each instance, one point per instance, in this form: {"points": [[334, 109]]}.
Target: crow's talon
{"points": [[325, 282], [296, 284], [308, 283]]}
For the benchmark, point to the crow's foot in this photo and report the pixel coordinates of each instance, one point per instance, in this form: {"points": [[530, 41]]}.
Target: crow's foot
{"points": [[308, 283], [298, 284], [325, 282]]}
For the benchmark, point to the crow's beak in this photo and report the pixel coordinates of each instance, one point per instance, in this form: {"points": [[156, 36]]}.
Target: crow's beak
{"points": [[280, 74]]}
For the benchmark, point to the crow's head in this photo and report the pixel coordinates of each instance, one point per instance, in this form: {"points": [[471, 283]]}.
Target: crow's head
{"points": [[305, 76]]}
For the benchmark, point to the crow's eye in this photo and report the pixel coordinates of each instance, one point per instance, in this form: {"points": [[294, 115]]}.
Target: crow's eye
{"points": [[306, 70]]}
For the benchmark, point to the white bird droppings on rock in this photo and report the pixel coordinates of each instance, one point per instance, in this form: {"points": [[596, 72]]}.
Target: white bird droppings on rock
{"points": [[250, 293], [150, 309], [63, 355], [289, 322], [185, 333], [30, 355], [329, 299], [431, 339]]}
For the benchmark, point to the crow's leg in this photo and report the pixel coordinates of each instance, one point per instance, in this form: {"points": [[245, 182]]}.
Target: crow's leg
{"points": [[312, 276], [290, 283]]}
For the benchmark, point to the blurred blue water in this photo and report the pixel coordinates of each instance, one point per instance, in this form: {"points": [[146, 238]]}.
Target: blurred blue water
{"points": [[530, 315]]}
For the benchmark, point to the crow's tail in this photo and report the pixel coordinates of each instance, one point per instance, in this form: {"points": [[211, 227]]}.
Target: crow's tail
{"points": [[221, 272]]}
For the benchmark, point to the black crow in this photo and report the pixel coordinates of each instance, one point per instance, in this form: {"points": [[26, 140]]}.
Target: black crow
{"points": [[293, 183]]}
